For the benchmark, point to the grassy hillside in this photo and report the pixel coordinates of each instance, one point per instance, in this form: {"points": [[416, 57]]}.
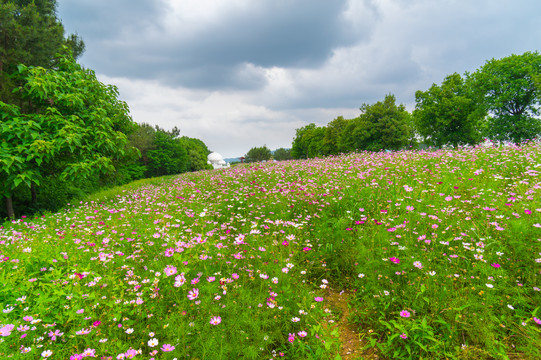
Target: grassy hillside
{"points": [[439, 253]]}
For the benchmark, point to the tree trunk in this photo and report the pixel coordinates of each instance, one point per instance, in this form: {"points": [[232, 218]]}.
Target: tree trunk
{"points": [[9, 207]]}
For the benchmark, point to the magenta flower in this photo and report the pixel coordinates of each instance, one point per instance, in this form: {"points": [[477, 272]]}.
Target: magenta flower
{"points": [[193, 294], [395, 260], [495, 265], [215, 320], [291, 338], [318, 298], [405, 313], [167, 347], [403, 336], [302, 333]]}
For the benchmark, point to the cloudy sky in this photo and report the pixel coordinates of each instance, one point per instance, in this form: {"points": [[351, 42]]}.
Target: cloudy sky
{"points": [[243, 73]]}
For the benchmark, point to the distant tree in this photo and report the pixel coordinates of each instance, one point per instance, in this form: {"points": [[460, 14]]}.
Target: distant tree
{"points": [[333, 132], [282, 154], [511, 90], [383, 125], [197, 154], [257, 154], [169, 156], [69, 124], [448, 114], [308, 142]]}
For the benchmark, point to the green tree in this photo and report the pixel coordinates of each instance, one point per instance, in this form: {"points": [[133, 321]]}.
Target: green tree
{"points": [[257, 154], [308, 142], [197, 154], [30, 34], [282, 154], [75, 127], [333, 132], [169, 156], [511, 91], [383, 125], [448, 114]]}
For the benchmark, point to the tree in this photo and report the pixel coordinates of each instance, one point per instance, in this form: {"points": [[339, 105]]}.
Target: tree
{"points": [[448, 114], [511, 91], [257, 154], [282, 154], [169, 156], [30, 34], [71, 124], [197, 154], [333, 132], [308, 142], [383, 125]]}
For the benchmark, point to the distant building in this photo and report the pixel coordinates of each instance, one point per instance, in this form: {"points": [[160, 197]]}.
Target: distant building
{"points": [[217, 161]]}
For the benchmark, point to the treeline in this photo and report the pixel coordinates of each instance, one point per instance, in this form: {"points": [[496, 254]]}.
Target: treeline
{"points": [[64, 134], [263, 153], [500, 102]]}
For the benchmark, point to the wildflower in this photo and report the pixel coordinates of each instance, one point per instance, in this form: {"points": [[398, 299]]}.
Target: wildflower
{"points": [[361, 275], [418, 264], [46, 353], [495, 265], [215, 320], [153, 342], [318, 298], [83, 331], [291, 338], [510, 306], [394, 260], [6, 330], [129, 331], [537, 321], [302, 333], [167, 347], [170, 270], [295, 319], [489, 285], [403, 336], [193, 294], [89, 352], [405, 313]]}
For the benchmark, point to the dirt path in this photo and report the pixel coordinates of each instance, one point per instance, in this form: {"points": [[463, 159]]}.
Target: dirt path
{"points": [[349, 336]]}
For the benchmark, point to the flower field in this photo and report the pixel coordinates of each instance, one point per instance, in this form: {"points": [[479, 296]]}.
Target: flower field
{"points": [[439, 251]]}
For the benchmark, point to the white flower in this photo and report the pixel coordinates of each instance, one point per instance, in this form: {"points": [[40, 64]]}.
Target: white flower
{"points": [[129, 331], [489, 285], [361, 275], [46, 353], [153, 342], [510, 306], [295, 319]]}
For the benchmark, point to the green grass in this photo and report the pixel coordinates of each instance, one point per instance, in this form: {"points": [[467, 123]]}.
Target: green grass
{"points": [[441, 251]]}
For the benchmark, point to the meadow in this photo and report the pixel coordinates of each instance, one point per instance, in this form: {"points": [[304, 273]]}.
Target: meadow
{"points": [[438, 252]]}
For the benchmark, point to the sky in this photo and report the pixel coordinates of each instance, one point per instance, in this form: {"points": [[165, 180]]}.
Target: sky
{"points": [[244, 73]]}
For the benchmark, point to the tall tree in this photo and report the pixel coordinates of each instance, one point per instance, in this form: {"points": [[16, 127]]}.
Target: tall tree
{"points": [[511, 90], [333, 131], [448, 114], [169, 156], [282, 154], [308, 142], [383, 125], [76, 127]]}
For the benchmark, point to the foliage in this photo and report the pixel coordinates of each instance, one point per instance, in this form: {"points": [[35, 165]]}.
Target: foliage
{"points": [[197, 154], [448, 114], [258, 154], [308, 142], [75, 127], [282, 154], [434, 249], [333, 133], [511, 90], [381, 126], [169, 156]]}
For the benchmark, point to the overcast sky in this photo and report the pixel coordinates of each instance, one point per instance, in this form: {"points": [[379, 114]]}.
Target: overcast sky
{"points": [[243, 73]]}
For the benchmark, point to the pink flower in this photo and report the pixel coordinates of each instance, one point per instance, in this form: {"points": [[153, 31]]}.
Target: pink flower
{"points": [[537, 321], [291, 338], [167, 347], [528, 211], [403, 336], [318, 298], [302, 333], [170, 270], [395, 260], [405, 313], [215, 320], [495, 265], [193, 294], [89, 352]]}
